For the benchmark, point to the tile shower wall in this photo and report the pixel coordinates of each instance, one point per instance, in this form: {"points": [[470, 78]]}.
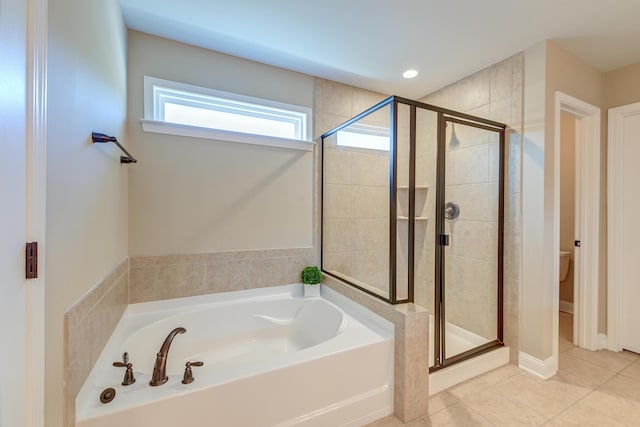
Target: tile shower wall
{"points": [[174, 276], [88, 325], [356, 213], [495, 93], [426, 159], [356, 194]]}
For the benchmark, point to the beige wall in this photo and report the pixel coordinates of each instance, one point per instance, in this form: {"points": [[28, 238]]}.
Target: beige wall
{"points": [[622, 86], [86, 184], [568, 74], [551, 69], [567, 196], [535, 327], [189, 195]]}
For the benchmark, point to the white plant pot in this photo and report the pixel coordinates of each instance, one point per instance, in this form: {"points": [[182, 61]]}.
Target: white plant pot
{"points": [[311, 290]]}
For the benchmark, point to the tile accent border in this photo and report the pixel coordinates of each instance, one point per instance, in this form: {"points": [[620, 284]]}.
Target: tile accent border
{"points": [[411, 355], [175, 276], [88, 324]]}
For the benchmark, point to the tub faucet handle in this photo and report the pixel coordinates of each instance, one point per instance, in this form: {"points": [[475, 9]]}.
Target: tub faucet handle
{"points": [[128, 374], [188, 373]]}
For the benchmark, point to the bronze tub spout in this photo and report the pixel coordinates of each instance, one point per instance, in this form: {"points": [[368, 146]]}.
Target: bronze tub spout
{"points": [[159, 376]]}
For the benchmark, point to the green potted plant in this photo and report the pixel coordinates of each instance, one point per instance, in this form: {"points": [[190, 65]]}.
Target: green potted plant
{"points": [[311, 278]]}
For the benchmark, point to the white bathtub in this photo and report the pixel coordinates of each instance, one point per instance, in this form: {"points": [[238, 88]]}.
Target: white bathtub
{"points": [[271, 358]]}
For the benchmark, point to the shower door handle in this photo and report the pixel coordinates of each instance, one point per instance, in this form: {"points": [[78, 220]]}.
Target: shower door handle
{"points": [[444, 240]]}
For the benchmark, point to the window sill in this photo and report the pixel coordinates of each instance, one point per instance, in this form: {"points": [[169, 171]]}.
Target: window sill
{"points": [[220, 135]]}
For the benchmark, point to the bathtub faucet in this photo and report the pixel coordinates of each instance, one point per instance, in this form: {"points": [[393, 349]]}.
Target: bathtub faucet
{"points": [[159, 376]]}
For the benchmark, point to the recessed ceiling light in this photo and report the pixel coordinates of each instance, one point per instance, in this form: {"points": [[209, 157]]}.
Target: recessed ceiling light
{"points": [[409, 74]]}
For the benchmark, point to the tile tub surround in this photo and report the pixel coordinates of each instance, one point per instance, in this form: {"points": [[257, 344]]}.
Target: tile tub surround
{"points": [[88, 325], [411, 371], [175, 276]]}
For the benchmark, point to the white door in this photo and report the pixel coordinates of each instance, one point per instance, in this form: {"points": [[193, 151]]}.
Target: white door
{"points": [[631, 222], [625, 212], [13, 202]]}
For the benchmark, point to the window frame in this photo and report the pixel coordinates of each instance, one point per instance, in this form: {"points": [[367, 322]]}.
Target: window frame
{"points": [[154, 88]]}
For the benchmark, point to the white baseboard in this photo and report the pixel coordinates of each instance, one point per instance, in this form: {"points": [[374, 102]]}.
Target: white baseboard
{"points": [[602, 341], [542, 368], [566, 306]]}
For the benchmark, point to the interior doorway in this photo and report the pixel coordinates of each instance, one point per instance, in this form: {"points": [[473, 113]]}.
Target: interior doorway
{"points": [[569, 226], [579, 123]]}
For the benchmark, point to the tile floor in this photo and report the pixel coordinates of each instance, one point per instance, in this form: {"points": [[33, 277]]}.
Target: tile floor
{"points": [[599, 388]]}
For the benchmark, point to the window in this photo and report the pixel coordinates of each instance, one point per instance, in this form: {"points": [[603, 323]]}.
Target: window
{"points": [[187, 110], [364, 136]]}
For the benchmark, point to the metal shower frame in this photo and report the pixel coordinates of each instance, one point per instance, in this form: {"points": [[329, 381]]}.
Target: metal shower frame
{"points": [[444, 116]]}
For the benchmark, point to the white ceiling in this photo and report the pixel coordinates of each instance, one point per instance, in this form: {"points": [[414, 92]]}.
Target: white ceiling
{"points": [[369, 43]]}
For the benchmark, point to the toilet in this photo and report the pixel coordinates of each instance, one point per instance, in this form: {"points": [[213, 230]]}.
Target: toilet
{"points": [[565, 260]]}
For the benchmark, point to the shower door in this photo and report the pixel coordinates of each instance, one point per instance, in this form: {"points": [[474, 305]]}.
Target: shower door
{"points": [[469, 224]]}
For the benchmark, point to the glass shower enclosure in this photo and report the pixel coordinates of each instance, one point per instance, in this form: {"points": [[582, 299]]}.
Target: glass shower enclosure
{"points": [[412, 211]]}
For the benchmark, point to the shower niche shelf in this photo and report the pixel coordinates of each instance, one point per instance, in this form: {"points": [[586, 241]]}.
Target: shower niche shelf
{"points": [[420, 200]]}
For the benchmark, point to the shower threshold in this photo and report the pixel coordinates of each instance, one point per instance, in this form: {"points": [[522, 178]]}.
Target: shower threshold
{"points": [[459, 340], [463, 371]]}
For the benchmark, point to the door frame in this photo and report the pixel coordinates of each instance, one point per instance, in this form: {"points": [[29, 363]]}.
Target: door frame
{"points": [[36, 132], [586, 260], [615, 155]]}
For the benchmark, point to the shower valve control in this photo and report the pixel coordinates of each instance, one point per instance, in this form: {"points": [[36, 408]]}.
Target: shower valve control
{"points": [[451, 210]]}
